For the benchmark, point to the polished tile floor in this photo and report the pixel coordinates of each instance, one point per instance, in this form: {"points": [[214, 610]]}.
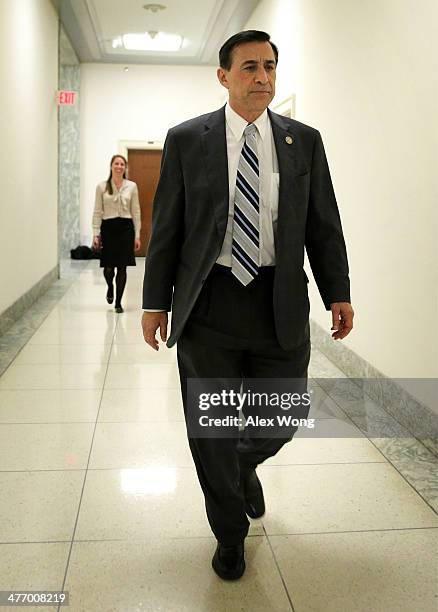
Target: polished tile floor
{"points": [[99, 496]]}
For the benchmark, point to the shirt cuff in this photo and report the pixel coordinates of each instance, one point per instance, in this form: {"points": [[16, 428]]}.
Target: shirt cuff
{"points": [[153, 310]]}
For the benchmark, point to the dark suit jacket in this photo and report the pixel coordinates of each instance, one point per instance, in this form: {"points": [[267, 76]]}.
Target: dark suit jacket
{"points": [[190, 217]]}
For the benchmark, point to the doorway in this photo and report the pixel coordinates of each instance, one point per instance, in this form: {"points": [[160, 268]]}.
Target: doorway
{"points": [[144, 169]]}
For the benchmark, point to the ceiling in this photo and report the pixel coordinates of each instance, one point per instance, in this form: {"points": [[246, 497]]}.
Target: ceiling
{"points": [[204, 25]]}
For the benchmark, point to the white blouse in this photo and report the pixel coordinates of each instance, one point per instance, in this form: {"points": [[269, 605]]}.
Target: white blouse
{"points": [[123, 203]]}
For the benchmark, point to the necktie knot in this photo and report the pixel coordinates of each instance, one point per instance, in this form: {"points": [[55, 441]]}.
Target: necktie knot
{"points": [[250, 130]]}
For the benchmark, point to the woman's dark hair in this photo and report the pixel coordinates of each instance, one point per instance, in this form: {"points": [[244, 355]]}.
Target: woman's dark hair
{"points": [[247, 36], [109, 187]]}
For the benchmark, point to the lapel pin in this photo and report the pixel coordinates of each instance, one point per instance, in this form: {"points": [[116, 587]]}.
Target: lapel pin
{"points": [[289, 139]]}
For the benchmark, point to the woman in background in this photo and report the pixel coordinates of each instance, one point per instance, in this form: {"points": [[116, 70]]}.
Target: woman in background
{"points": [[116, 227]]}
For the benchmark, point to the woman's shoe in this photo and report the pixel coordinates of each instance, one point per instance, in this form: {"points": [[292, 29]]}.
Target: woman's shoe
{"points": [[110, 296]]}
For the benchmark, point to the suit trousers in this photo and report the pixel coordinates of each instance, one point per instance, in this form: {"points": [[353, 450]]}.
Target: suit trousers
{"points": [[231, 334]]}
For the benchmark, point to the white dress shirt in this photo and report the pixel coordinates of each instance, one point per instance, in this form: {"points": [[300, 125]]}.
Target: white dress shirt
{"points": [[269, 181]]}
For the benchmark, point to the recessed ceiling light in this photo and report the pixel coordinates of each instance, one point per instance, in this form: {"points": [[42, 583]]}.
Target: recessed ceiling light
{"points": [[154, 8], [152, 41]]}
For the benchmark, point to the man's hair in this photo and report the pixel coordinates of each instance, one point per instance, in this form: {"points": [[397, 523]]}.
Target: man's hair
{"points": [[247, 36]]}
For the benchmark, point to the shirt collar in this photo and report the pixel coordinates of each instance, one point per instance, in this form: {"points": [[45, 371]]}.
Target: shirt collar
{"points": [[237, 124]]}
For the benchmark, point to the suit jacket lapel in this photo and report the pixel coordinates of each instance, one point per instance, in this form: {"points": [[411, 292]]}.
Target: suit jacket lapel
{"points": [[290, 165], [214, 144], [285, 145]]}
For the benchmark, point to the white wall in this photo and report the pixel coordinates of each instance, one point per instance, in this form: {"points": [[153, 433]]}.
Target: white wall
{"points": [[365, 75], [28, 154], [140, 104]]}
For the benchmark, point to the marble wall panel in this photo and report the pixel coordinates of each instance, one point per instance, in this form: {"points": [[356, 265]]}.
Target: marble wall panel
{"points": [[69, 151]]}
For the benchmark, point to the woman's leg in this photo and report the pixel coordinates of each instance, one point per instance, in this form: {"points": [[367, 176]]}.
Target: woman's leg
{"points": [[109, 277], [120, 285]]}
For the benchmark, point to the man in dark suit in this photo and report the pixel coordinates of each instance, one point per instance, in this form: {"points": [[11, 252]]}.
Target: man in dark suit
{"points": [[242, 192]]}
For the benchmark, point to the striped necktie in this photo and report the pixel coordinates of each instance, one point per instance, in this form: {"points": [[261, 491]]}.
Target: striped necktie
{"points": [[246, 224]]}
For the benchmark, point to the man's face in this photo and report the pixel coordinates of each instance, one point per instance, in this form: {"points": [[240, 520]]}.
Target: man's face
{"points": [[251, 78]]}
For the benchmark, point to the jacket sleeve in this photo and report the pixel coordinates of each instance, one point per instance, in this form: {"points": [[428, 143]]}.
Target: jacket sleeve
{"points": [[325, 244], [167, 231]]}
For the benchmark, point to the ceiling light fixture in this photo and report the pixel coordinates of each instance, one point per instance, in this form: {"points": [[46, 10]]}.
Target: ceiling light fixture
{"points": [[152, 41], [154, 8]]}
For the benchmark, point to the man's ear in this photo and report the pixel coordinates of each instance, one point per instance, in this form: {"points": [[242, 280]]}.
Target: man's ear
{"points": [[222, 77]]}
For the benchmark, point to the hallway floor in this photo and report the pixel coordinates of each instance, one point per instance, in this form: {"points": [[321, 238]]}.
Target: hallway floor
{"points": [[100, 497]]}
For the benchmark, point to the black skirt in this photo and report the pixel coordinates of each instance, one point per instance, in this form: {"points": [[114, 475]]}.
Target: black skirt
{"points": [[117, 237]]}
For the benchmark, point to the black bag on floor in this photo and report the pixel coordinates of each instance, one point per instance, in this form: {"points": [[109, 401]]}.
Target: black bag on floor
{"points": [[82, 252]]}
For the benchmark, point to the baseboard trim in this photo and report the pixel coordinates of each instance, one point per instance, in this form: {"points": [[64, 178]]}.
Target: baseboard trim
{"points": [[9, 316], [389, 395]]}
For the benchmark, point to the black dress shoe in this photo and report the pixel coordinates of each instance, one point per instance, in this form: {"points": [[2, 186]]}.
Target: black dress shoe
{"points": [[118, 309], [109, 296], [229, 561], [253, 493]]}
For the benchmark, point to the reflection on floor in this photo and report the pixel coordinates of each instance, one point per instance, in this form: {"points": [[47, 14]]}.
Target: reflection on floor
{"points": [[100, 498]]}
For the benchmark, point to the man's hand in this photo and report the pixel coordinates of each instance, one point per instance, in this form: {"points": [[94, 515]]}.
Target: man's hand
{"points": [[96, 243], [150, 322], [137, 244], [342, 316]]}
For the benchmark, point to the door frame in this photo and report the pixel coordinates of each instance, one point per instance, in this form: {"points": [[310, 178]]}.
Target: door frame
{"points": [[151, 145]]}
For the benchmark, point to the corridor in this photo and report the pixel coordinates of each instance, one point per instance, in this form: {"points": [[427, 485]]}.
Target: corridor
{"points": [[100, 497]]}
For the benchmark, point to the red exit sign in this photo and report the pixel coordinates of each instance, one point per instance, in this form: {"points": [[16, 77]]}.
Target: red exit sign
{"points": [[66, 98]]}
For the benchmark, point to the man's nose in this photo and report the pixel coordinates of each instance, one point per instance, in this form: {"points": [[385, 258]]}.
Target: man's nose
{"points": [[262, 76]]}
